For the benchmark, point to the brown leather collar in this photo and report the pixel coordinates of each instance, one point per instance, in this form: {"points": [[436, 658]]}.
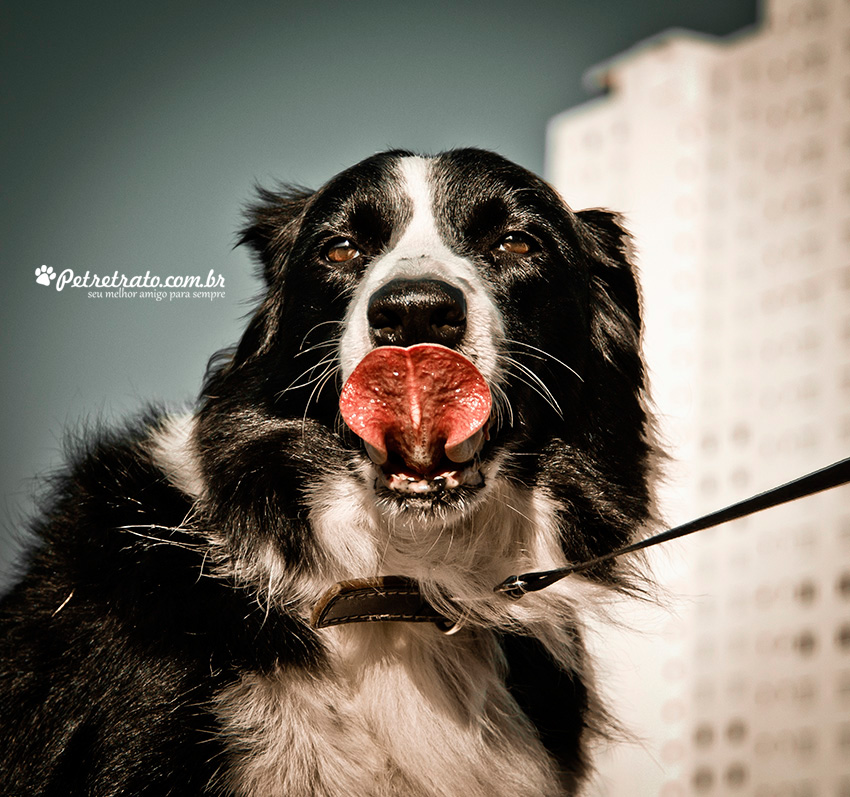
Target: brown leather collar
{"points": [[375, 600]]}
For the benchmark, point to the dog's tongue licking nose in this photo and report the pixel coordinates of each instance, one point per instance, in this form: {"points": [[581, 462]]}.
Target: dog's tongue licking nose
{"points": [[420, 402]]}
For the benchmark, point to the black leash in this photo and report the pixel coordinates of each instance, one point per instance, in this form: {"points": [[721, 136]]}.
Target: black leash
{"points": [[832, 476]]}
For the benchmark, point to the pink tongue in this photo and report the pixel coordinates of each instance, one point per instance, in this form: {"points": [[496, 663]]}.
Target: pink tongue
{"points": [[416, 401]]}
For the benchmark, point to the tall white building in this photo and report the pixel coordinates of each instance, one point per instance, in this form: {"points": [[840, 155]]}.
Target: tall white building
{"points": [[730, 161]]}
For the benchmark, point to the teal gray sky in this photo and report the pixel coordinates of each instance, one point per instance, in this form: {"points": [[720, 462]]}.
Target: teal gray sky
{"points": [[132, 134]]}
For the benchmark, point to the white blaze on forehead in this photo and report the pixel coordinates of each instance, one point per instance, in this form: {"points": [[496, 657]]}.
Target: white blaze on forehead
{"points": [[421, 237], [420, 252]]}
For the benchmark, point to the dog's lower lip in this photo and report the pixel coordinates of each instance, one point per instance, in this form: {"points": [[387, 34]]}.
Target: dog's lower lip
{"points": [[402, 480]]}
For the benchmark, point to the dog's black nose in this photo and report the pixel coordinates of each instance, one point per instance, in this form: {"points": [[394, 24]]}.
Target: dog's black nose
{"points": [[405, 312]]}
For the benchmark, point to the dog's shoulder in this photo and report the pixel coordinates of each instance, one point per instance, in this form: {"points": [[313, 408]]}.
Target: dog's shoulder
{"points": [[120, 632], [102, 511]]}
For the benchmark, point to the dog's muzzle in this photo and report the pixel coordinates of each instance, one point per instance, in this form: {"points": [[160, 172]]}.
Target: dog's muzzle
{"points": [[419, 405]]}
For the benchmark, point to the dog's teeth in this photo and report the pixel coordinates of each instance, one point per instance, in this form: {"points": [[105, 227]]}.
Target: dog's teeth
{"points": [[465, 451], [375, 454]]}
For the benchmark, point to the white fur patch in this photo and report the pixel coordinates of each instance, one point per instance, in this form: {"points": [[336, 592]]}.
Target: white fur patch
{"points": [[403, 711], [172, 448]]}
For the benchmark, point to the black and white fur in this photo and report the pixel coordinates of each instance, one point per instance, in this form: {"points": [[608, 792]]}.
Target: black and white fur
{"points": [[159, 642]]}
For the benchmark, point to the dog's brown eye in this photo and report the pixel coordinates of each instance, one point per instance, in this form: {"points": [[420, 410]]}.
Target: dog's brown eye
{"points": [[341, 250], [516, 243]]}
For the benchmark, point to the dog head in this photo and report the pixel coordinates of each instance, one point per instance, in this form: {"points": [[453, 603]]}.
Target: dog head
{"points": [[462, 269]]}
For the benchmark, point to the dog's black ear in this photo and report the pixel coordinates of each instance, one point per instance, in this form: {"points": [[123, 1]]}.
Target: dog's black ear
{"points": [[614, 257], [620, 443], [616, 325], [272, 225]]}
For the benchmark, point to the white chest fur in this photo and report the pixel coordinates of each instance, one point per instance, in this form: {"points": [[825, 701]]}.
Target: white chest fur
{"points": [[401, 710]]}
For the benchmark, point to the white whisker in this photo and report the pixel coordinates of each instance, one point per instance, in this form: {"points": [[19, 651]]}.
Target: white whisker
{"points": [[295, 384], [546, 355], [330, 371], [320, 324], [536, 384], [501, 404]]}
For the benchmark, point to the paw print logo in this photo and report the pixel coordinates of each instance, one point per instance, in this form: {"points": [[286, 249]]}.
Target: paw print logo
{"points": [[44, 274]]}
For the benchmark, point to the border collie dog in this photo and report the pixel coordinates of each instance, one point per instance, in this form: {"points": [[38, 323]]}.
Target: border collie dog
{"points": [[441, 386]]}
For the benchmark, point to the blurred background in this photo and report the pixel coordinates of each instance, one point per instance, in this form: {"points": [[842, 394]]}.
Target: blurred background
{"points": [[731, 161], [133, 135]]}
